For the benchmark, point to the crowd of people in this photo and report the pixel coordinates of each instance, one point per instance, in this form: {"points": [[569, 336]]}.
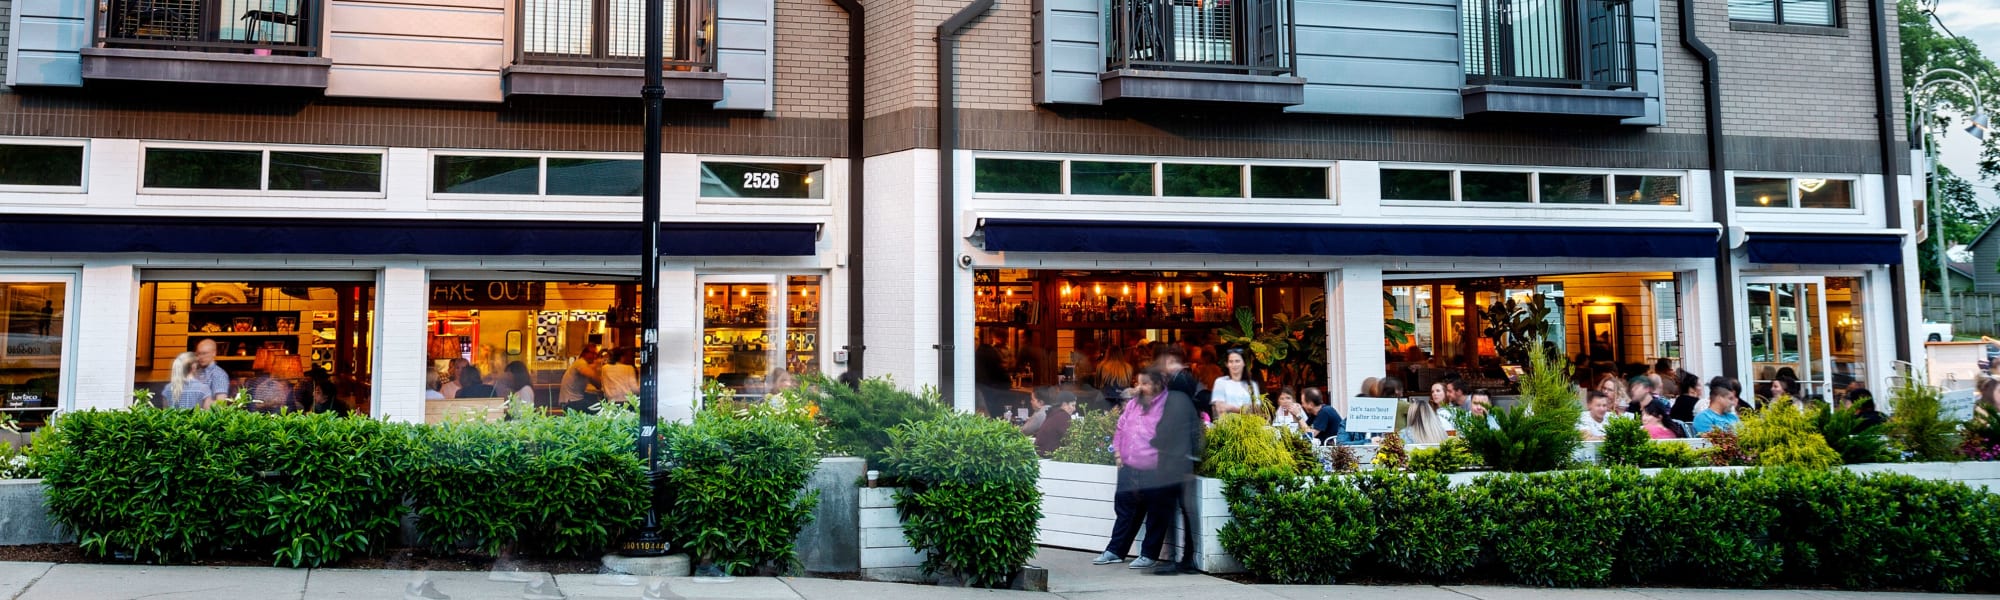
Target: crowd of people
{"points": [[197, 382], [592, 377]]}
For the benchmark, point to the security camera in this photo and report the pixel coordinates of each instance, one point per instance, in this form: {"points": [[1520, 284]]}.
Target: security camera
{"points": [[965, 261]]}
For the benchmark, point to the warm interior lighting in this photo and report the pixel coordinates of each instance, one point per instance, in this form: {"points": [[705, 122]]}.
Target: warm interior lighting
{"points": [[1811, 185], [1764, 200], [1160, 289], [711, 291], [743, 293], [1098, 288], [1187, 289], [809, 180], [1125, 291]]}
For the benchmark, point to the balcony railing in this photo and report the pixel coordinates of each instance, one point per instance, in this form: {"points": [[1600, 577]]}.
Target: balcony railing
{"points": [[260, 27], [1245, 37], [611, 33], [1583, 44]]}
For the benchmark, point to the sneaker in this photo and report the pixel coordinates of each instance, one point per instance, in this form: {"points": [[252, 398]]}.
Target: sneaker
{"points": [[660, 591], [510, 576], [710, 573], [1167, 569], [1107, 559], [1142, 563], [1188, 568], [542, 589], [422, 590]]}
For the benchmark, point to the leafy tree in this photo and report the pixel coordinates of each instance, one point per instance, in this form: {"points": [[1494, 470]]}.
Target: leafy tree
{"points": [[1927, 46]]}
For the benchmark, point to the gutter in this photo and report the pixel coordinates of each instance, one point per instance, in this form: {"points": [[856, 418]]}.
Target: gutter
{"points": [[857, 114], [947, 209], [1892, 193], [1718, 181]]}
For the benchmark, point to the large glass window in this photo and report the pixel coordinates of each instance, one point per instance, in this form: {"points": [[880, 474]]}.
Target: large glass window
{"points": [[32, 314], [33, 164], [1015, 176], [1787, 325], [561, 346], [760, 332], [275, 170], [301, 346], [1804, 192], [1826, 193]]}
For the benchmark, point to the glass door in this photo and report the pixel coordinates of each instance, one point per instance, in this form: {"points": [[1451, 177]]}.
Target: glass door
{"points": [[759, 332], [1787, 319]]}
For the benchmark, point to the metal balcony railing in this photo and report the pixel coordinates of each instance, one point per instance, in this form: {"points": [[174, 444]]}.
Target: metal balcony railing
{"points": [[1247, 37], [1584, 44], [263, 27], [611, 33]]}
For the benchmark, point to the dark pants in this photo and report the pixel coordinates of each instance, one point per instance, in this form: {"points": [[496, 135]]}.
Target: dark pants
{"points": [[1130, 510], [1160, 505], [1190, 497]]}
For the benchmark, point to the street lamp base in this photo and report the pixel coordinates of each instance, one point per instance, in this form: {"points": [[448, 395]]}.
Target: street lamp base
{"points": [[645, 542]]}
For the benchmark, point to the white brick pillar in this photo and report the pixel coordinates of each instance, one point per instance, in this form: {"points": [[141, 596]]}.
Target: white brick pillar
{"points": [[107, 327], [402, 303], [680, 312], [1354, 324]]}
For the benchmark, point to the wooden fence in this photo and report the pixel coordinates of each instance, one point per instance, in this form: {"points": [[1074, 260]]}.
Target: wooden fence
{"points": [[1971, 314]]}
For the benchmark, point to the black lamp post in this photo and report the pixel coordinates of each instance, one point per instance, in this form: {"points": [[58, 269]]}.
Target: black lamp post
{"points": [[648, 541]]}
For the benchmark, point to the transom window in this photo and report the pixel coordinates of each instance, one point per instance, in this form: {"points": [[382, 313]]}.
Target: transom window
{"points": [[41, 165], [516, 175], [1529, 187], [1150, 179], [1785, 12], [1794, 192], [251, 169]]}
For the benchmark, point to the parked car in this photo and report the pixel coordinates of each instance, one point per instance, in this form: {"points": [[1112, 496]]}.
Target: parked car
{"points": [[1936, 332]]}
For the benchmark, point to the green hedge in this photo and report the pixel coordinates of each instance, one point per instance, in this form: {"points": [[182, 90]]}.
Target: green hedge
{"points": [[545, 485], [1602, 527], [166, 485], [734, 494], [969, 496]]}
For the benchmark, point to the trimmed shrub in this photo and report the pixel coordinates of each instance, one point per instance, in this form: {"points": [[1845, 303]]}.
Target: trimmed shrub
{"points": [[1448, 457], [1917, 422], [970, 499], [858, 421], [1089, 439], [1540, 433], [1783, 436], [1426, 529], [549, 485], [1627, 444], [1299, 530], [175, 485], [1700, 528], [734, 491], [1243, 445], [1559, 529]]}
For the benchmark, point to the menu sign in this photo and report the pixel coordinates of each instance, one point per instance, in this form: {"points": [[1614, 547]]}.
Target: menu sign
{"points": [[487, 294], [1371, 415]]}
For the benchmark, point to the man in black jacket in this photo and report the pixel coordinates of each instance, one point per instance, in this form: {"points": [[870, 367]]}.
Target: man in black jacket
{"points": [[1179, 441]]}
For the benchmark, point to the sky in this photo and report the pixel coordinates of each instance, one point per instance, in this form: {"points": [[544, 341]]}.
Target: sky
{"points": [[1979, 21]]}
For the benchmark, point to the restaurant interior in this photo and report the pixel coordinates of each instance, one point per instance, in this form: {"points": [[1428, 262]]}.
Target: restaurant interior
{"points": [[291, 336]]}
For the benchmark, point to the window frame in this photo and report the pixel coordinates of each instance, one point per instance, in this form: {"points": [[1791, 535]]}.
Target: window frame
{"points": [[541, 175], [1792, 206], [66, 364], [1778, 16], [263, 170], [1246, 193], [83, 184], [1609, 177]]}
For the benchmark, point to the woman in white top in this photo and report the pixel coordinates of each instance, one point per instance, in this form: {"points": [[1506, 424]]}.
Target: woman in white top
{"points": [[188, 389], [1234, 390]]}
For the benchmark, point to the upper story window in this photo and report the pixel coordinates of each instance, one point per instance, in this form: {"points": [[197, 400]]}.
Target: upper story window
{"points": [[1586, 44], [1250, 37], [523, 175], [41, 166], [1151, 179], [253, 27], [611, 33], [231, 169], [1785, 12], [1529, 187], [1794, 192]]}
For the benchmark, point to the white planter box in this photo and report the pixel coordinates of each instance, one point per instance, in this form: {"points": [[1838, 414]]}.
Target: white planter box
{"points": [[1077, 514], [885, 555]]}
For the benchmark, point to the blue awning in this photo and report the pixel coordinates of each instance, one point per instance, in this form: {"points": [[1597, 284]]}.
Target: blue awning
{"points": [[293, 235], [1146, 237], [1825, 248]]}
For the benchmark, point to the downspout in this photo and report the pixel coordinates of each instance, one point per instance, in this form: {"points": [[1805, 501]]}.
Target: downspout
{"points": [[1892, 192], [1718, 180], [947, 208], [857, 114]]}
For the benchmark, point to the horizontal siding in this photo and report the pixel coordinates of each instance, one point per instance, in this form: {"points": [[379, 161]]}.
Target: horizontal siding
{"points": [[419, 49], [1646, 48], [1070, 51], [47, 35], [743, 37], [1379, 57]]}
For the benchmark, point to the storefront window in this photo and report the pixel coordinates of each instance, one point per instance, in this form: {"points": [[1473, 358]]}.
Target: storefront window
{"points": [[760, 332], [564, 345], [293, 345], [1203, 181], [1786, 320], [1847, 310], [31, 348]]}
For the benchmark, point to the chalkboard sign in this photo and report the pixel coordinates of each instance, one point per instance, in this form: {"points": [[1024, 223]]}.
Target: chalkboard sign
{"points": [[1371, 415], [487, 294]]}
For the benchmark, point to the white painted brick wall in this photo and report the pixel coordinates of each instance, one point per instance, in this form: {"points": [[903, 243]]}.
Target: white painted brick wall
{"points": [[106, 332], [401, 354]]}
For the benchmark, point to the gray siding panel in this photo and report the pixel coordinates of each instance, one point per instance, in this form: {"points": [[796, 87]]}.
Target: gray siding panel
{"points": [[743, 37], [1379, 57], [46, 38], [1985, 279], [1646, 42], [1069, 51]]}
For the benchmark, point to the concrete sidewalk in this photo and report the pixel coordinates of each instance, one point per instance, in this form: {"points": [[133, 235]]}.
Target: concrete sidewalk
{"points": [[1071, 577]]}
